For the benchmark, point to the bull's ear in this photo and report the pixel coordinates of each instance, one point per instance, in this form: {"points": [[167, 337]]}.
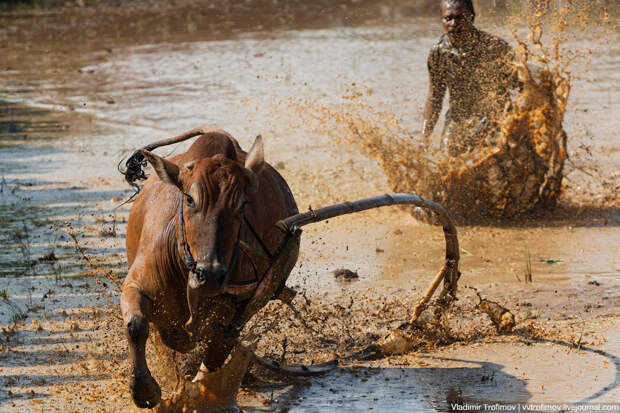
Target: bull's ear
{"points": [[166, 170], [255, 160]]}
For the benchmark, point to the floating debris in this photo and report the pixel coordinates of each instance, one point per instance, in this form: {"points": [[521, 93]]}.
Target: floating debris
{"points": [[49, 257], [345, 274], [550, 261], [427, 327], [501, 317], [396, 342]]}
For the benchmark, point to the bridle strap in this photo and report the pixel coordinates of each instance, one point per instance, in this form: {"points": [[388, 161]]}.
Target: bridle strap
{"points": [[259, 239], [190, 263]]}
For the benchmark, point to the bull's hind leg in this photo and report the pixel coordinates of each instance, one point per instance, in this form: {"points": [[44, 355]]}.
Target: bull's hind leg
{"points": [[135, 307]]}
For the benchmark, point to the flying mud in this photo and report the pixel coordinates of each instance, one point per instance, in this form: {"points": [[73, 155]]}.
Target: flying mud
{"points": [[516, 170]]}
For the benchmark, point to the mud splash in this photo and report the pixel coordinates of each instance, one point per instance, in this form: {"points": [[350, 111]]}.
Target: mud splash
{"points": [[520, 171], [210, 392]]}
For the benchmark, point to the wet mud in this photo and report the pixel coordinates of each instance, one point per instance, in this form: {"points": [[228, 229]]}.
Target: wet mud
{"points": [[85, 84]]}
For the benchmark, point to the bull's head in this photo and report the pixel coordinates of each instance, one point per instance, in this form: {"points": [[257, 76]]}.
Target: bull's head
{"points": [[215, 191]]}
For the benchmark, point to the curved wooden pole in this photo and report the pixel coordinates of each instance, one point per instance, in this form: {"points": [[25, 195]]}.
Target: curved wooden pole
{"points": [[449, 271]]}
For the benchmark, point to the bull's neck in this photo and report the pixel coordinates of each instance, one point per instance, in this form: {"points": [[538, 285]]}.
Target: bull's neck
{"points": [[188, 259], [172, 259]]}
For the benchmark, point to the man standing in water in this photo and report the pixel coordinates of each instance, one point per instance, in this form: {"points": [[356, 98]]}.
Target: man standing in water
{"points": [[476, 68]]}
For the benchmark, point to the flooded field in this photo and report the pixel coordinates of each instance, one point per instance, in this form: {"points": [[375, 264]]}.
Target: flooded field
{"points": [[83, 85]]}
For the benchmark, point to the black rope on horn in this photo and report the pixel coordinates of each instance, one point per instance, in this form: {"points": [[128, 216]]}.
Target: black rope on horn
{"points": [[134, 171]]}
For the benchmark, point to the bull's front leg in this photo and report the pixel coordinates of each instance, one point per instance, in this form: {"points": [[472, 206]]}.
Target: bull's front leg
{"points": [[136, 309]]}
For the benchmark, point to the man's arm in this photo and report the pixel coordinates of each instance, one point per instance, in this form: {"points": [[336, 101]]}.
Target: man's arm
{"points": [[436, 92]]}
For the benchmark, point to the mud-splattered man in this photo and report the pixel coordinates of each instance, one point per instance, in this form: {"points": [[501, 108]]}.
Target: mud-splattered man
{"points": [[476, 68]]}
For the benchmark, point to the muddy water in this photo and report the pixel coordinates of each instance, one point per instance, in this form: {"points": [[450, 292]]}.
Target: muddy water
{"points": [[249, 83], [85, 86]]}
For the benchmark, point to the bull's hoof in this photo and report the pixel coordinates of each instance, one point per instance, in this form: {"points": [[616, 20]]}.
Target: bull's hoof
{"points": [[145, 391]]}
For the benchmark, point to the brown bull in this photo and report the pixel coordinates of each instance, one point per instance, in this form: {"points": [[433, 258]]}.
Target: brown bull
{"points": [[193, 238]]}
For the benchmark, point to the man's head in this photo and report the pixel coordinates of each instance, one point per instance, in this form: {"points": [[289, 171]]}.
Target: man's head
{"points": [[457, 17]]}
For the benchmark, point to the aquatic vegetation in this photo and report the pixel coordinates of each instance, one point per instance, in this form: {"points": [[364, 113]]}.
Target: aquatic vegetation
{"points": [[528, 266], [17, 314]]}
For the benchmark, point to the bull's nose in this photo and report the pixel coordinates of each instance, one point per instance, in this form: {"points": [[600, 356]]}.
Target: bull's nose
{"points": [[208, 273]]}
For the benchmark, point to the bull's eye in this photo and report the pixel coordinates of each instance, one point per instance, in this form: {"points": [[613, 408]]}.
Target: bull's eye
{"points": [[190, 201]]}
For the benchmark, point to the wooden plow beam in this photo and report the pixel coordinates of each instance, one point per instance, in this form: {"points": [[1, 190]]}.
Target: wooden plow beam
{"points": [[448, 273]]}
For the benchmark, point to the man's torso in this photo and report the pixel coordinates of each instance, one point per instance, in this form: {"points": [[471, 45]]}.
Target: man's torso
{"points": [[478, 77]]}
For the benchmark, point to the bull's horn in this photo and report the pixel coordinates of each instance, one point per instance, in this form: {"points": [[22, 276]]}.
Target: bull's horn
{"points": [[167, 171], [255, 161]]}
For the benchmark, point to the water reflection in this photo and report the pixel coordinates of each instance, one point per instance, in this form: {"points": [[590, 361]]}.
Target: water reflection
{"points": [[400, 389]]}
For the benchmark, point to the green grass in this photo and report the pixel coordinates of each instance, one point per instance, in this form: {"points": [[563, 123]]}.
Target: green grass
{"points": [[528, 266]]}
